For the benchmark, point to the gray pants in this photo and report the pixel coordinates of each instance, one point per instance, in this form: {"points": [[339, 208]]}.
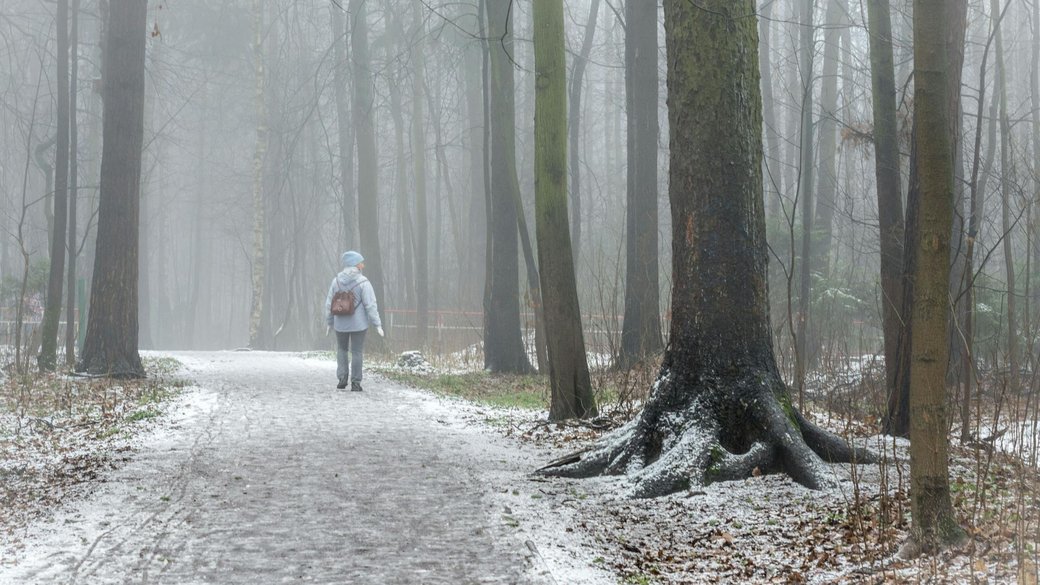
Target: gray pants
{"points": [[354, 342]]}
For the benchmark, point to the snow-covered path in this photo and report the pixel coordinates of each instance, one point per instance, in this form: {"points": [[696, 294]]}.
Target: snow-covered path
{"points": [[268, 474]]}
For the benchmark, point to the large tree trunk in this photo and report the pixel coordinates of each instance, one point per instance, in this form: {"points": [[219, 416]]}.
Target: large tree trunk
{"points": [[568, 366], [933, 520], [503, 346], [47, 359], [363, 112], [574, 109], [641, 328], [719, 409], [110, 347]]}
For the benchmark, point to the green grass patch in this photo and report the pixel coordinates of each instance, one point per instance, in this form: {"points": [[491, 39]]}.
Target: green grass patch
{"points": [[504, 391], [140, 415]]}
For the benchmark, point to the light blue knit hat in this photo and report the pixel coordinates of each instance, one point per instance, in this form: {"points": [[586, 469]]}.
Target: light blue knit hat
{"points": [[351, 258]]}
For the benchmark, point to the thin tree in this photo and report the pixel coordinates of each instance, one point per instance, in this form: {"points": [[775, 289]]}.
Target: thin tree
{"points": [[341, 72], [71, 242], [577, 81], [1006, 172], [110, 347], [641, 327], [568, 366], [422, 255], [363, 112], [47, 359], [720, 408], [256, 312], [806, 159], [888, 177]]}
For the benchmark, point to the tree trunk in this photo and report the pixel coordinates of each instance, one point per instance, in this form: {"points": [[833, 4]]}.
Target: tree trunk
{"points": [[341, 72], [110, 347], [933, 520], [774, 175], [576, 82], [1006, 174], [806, 159], [363, 112], [47, 360], [827, 181], [503, 346], [256, 311], [641, 328], [422, 258], [955, 32], [719, 409], [476, 232], [568, 366], [72, 242]]}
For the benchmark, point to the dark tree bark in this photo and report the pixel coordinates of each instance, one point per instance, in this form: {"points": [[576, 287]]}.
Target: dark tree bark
{"points": [[47, 359], [889, 190], [897, 418], [719, 409], [641, 328], [503, 347], [568, 365], [934, 523], [110, 348]]}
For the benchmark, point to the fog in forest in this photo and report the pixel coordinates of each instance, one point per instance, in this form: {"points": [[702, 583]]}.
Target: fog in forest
{"points": [[279, 134]]}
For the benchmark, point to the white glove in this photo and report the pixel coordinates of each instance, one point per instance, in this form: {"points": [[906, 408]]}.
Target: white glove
{"points": [[379, 330]]}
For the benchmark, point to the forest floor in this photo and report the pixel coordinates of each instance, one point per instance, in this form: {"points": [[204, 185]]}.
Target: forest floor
{"points": [[259, 471]]}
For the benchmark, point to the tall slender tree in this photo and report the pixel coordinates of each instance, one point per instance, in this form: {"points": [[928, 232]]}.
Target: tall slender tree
{"points": [[47, 359], [363, 113], [341, 72], [889, 189], [422, 255], [568, 367], [71, 243], [259, 266], [110, 347], [719, 409], [577, 82], [641, 327]]}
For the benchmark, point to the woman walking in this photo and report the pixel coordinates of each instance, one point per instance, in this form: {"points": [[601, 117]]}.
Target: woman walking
{"points": [[350, 309]]}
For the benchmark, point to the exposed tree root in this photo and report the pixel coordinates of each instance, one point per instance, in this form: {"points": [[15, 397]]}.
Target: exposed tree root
{"points": [[701, 431]]}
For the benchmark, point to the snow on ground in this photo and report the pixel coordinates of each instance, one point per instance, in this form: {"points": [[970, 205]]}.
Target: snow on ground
{"points": [[762, 530]]}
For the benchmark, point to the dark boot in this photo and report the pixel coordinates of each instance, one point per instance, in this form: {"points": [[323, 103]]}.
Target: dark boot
{"points": [[355, 387], [342, 384]]}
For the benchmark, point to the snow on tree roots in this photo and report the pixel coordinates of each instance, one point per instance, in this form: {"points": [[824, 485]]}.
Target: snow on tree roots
{"points": [[699, 431]]}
